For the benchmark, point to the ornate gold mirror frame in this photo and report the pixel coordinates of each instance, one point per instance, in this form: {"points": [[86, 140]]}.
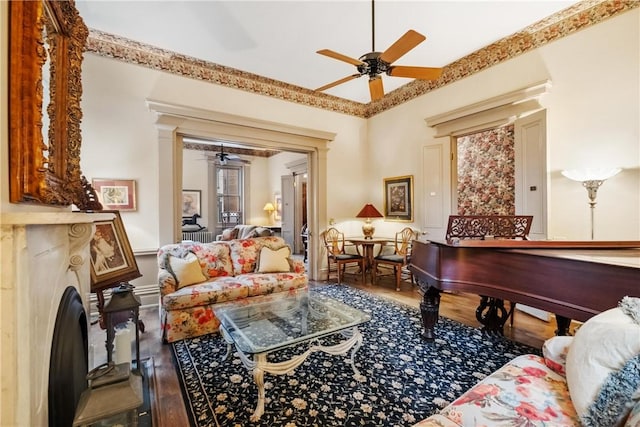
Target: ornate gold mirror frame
{"points": [[46, 41]]}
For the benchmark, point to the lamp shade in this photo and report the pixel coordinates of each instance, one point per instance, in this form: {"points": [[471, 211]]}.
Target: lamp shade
{"points": [[591, 174], [269, 207], [369, 211]]}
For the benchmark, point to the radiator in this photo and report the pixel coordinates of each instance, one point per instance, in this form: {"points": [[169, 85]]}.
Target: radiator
{"points": [[199, 236]]}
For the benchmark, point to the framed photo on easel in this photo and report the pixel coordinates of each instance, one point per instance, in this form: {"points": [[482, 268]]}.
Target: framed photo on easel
{"points": [[112, 259]]}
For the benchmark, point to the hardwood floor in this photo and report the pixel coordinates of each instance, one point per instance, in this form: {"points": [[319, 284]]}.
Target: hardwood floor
{"points": [[168, 405]]}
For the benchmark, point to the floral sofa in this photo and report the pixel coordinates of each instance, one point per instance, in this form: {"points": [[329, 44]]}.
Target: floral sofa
{"points": [[196, 277], [591, 380]]}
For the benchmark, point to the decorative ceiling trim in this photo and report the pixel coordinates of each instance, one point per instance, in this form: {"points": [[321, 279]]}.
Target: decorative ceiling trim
{"points": [[197, 146], [575, 18]]}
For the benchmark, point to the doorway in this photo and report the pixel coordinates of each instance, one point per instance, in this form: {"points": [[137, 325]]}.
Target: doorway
{"points": [[175, 121]]}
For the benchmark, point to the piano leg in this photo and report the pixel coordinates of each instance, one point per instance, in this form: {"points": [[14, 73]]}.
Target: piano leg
{"points": [[429, 307], [492, 314], [563, 325]]}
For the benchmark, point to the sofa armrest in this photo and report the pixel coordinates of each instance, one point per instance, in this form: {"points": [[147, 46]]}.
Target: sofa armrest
{"points": [[166, 282], [297, 266]]}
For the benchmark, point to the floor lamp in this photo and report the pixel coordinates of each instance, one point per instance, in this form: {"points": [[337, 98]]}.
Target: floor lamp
{"points": [[591, 179]]}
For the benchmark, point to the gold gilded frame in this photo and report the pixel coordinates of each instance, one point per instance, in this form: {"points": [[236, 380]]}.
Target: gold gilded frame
{"points": [[45, 170], [398, 198]]}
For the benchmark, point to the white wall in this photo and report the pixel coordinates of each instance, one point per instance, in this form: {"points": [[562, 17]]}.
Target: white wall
{"points": [[593, 112], [120, 140]]}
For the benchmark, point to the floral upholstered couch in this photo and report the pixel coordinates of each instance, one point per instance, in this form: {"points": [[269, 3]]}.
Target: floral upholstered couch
{"points": [[196, 277], [591, 380]]}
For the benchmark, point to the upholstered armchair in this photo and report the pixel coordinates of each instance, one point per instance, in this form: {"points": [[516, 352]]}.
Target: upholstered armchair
{"points": [[400, 257], [334, 244]]}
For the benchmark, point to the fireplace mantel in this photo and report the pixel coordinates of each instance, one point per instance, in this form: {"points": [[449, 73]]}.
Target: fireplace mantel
{"points": [[42, 254], [52, 218]]}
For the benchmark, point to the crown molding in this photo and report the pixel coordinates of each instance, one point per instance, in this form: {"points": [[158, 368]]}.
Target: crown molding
{"points": [[566, 22]]}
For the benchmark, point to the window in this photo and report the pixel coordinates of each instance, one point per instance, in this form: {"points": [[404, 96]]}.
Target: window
{"points": [[229, 194]]}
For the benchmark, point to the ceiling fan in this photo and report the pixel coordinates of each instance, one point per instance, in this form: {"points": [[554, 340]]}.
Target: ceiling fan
{"points": [[224, 157], [375, 63]]}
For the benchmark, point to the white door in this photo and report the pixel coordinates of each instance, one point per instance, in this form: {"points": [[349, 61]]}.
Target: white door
{"points": [[288, 210], [531, 171]]}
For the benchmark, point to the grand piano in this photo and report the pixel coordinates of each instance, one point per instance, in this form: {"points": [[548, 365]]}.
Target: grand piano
{"points": [[574, 280]]}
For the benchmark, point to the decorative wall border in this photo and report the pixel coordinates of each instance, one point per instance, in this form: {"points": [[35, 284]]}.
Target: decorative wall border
{"points": [[566, 22]]}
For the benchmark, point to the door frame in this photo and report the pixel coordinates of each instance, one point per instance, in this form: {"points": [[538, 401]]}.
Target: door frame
{"points": [[174, 121]]}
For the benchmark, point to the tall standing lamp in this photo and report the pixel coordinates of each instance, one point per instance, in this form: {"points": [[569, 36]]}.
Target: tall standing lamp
{"points": [[591, 179], [368, 211]]}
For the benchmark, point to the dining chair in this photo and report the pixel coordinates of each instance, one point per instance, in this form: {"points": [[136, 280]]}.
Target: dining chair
{"points": [[400, 257], [334, 244]]}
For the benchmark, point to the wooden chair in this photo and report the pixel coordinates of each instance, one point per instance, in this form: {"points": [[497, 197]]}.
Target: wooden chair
{"points": [[400, 257], [336, 255]]}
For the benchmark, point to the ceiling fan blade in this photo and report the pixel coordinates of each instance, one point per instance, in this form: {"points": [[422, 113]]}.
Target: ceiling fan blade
{"points": [[340, 57], [337, 82], [375, 88], [423, 73], [404, 44]]}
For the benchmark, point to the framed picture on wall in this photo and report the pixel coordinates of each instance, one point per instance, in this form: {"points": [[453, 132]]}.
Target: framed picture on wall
{"points": [[112, 259], [191, 203], [277, 214], [115, 194], [398, 198]]}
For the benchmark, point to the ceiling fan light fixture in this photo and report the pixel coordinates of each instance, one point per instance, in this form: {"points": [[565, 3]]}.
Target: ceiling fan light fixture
{"points": [[376, 63]]}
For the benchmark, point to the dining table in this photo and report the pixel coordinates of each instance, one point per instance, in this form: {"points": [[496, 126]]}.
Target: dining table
{"points": [[368, 248]]}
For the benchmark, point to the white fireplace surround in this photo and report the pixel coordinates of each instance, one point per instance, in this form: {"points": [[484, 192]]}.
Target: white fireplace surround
{"points": [[42, 254]]}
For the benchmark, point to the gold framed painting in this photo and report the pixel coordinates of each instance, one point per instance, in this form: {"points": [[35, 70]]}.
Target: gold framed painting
{"points": [[116, 194], [398, 198], [112, 259]]}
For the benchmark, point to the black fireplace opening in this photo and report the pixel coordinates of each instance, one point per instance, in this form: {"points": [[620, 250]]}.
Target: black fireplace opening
{"points": [[69, 360]]}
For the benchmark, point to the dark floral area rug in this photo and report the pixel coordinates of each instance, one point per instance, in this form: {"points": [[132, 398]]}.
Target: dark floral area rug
{"points": [[405, 378]]}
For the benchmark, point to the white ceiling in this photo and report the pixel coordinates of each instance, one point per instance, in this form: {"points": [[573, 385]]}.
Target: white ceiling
{"points": [[279, 39]]}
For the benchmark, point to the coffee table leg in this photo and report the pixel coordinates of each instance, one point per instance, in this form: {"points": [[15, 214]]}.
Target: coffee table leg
{"points": [[354, 342], [259, 365], [228, 340], [258, 377]]}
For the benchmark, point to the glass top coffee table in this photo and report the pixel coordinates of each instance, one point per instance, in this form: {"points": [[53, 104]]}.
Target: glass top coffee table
{"points": [[268, 325]]}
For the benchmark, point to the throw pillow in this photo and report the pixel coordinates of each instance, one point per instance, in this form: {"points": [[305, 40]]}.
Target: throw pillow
{"points": [[274, 261], [186, 270], [602, 366], [263, 232], [229, 233], [555, 351]]}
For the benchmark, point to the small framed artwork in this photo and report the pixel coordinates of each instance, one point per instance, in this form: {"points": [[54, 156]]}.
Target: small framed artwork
{"points": [[277, 214], [117, 194], [112, 260], [191, 204], [398, 198]]}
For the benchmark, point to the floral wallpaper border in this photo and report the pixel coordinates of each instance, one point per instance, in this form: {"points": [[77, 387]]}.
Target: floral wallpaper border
{"points": [[575, 18]]}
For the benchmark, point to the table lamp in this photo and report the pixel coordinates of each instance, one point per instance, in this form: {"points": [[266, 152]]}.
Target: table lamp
{"points": [[368, 211], [269, 208]]}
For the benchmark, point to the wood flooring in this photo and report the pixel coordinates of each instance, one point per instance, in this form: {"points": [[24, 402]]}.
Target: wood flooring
{"points": [[167, 401]]}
